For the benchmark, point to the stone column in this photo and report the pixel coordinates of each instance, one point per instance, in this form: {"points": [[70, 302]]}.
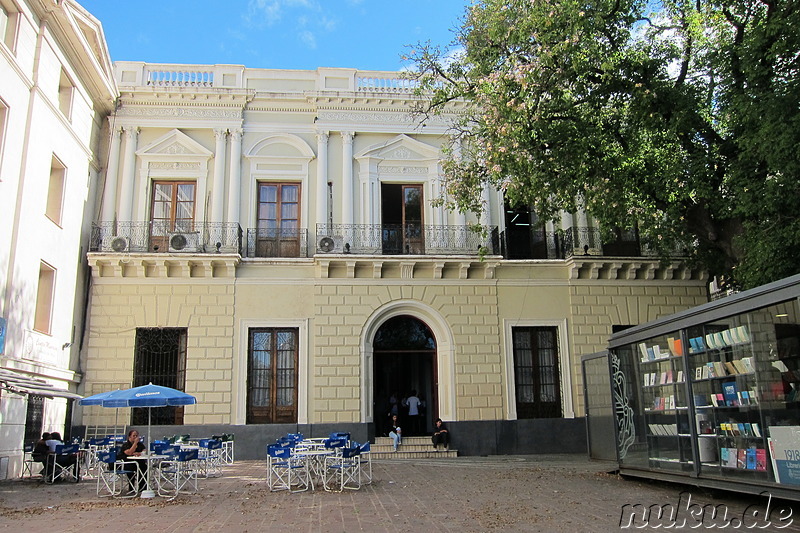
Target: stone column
{"points": [[347, 177], [235, 188], [109, 209], [128, 173], [218, 189], [486, 212], [322, 177], [461, 218]]}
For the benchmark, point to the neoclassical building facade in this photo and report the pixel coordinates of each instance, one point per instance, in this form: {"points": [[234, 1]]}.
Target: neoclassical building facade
{"points": [[266, 240]]}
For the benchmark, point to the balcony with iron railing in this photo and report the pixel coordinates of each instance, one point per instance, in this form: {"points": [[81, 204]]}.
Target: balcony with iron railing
{"points": [[535, 243], [166, 237], [359, 239], [404, 239]]}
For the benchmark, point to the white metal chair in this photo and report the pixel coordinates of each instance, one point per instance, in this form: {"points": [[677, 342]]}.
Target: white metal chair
{"points": [[114, 478], [63, 465], [178, 475], [343, 471], [210, 454], [286, 471], [28, 463], [365, 456]]}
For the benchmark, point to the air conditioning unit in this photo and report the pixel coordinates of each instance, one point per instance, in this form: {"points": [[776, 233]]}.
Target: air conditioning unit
{"points": [[330, 245], [184, 241], [116, 244]]}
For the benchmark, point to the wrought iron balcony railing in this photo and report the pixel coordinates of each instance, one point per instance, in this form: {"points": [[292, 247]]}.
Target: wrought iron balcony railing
{"points": [[399, 239], [166, 237], [277, 242], [535, 243]]}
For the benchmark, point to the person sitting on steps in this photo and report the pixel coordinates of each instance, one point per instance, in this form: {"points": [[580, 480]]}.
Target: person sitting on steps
{"points": [[440, 435]]}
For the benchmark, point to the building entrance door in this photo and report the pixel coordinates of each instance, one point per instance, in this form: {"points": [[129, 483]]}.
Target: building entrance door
{"points": [[404, 351]]}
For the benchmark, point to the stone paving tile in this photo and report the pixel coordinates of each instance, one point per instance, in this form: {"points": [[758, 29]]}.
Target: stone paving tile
{"points": [[519, 494]]}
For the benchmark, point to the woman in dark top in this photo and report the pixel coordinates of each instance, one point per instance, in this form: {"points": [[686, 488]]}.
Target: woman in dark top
{"points": [[40, 451], [133, 447]]}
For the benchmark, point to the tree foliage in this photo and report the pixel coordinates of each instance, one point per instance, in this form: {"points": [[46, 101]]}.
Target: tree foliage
{"points": [[680, 117]]}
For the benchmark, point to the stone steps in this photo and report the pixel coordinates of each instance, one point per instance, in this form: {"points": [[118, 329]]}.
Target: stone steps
{"points": [[410, 448]]}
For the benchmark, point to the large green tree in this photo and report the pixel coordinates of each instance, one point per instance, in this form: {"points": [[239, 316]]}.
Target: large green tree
{"points": [[681, 117]]}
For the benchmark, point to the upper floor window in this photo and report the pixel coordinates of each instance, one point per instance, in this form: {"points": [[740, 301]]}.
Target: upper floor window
{"points": [[3, 116], [65, 94], [55, 191], [172, 211], [43, 316], [9, 15], [278, 221]]}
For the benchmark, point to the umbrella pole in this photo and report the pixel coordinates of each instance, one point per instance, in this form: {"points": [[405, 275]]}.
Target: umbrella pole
{"points": [[149, 493]]}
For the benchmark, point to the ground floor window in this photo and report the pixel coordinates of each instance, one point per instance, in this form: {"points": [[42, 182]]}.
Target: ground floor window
{"points": [[536, 373], [160, 359], [34, 418], [272, 376]]}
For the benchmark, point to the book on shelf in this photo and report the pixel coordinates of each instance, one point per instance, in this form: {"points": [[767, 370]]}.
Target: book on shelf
{"points": [[677, 347], [742, 429], [747, 362], [733, 454], [681, 379], [734, 429], [740, 366], [761, 459], [720, 399], [714, 401], [748, 429], [669, 376], [698, 373], [719, 340], [723, 456], [643, 352], [712, 373], [750, 459], [710, 342], [700, 400], [705, 372], [741, 458], [744, 397], [730, 392], [756, 429], [662, 378], [730, 368], [727, 337], [743, 334], [693, 346]]}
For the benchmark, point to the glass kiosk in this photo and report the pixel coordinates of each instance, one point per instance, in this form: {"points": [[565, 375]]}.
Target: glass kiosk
{"points": [[711, 396]]}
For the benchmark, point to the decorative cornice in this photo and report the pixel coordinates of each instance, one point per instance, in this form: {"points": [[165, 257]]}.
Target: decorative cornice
{"points": [[163, 266]]}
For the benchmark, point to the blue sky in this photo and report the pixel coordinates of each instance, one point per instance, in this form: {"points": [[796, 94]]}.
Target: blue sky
{"points": [[285, 34]]}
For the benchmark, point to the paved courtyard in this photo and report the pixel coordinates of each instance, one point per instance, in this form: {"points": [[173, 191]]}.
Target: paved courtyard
{"points": [[468, 494]]}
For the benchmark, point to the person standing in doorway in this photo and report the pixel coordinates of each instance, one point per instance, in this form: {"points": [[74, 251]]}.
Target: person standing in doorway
{"points": [[412, 402]]}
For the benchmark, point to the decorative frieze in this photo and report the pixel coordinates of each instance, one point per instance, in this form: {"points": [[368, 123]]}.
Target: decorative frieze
{"points": [[180, 112]]}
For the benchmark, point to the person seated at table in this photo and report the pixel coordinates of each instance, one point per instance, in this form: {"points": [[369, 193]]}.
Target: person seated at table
{"points": [[134, 447], [40, 451], [64, 461], [440, 435]]}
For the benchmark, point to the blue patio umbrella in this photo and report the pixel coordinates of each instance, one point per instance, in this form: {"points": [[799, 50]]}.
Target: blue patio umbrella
{"points": [[145, 396], [97, 399]]}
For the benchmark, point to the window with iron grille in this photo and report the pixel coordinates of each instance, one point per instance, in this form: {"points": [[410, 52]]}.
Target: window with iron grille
{"points": [[536, 372], [160, 359], [272, 376], [34, 419]]}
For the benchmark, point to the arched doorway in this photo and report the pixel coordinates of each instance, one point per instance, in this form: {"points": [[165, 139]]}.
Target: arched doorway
{"points": [[404, 352]]}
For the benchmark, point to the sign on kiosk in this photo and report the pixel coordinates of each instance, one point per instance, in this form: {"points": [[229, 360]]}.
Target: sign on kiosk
{"points": [[784, 444]]}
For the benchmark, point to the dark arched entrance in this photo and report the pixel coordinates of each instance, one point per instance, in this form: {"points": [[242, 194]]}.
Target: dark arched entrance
{"points": [[404, 351]]}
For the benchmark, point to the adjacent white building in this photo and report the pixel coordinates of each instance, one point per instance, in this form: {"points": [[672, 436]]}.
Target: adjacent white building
{"points": [[56, 88]]}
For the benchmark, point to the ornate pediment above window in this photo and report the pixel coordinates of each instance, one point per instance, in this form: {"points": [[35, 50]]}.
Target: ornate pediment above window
{"points": [[174, 155]]}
